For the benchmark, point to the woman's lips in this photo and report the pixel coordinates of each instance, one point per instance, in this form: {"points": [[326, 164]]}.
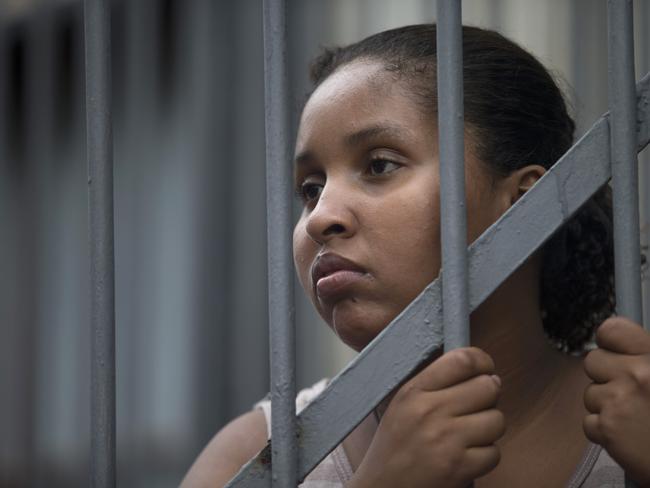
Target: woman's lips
{"points": [[333, 275], [335, 284]]}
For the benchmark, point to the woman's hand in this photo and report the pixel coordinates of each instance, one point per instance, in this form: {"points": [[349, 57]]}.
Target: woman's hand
{"points": [[440, 427], [619, 398]]}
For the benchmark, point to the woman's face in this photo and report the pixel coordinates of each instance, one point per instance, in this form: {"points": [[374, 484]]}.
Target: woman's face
{"points": [[368, 239]]}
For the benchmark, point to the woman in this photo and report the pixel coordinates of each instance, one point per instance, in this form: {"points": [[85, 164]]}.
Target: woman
{"points": [[515, 409]]}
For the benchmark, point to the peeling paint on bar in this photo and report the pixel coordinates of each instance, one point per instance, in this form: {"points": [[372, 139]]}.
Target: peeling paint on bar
{"points": [[416, 334]]}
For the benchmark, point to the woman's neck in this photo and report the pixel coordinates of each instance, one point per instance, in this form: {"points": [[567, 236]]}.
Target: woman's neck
{"points": [[535, 375], [542, 388]]}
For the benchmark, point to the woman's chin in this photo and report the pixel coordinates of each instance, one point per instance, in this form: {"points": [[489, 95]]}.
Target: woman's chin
{"points": [[356, 326]]}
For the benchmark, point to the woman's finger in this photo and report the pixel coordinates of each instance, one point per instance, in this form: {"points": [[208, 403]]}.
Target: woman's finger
{"points": [[480, 461], [591, 426], [595, 396], [483, 428], [603, 366], [451, 368], [622, 335], [471, 396]]}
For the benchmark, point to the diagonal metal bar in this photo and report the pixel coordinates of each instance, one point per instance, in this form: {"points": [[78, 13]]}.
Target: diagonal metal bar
{"points": [[416, 333]]}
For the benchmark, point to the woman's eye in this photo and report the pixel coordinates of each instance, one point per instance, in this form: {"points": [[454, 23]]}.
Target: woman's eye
{"points": [[310, 190], [382, 166]]}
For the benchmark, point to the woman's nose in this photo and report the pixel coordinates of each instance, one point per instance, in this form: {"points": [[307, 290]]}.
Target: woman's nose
{"points": [[331, 217]]}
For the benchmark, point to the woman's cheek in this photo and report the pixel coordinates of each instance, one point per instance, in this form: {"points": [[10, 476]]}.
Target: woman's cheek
{"points": [[303, 246]]}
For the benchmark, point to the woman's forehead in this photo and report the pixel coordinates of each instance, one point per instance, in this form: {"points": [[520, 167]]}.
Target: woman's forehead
{"points": [[357, 98]]}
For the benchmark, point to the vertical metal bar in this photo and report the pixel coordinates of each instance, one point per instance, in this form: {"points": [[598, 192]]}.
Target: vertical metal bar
{"points": [[622, 102], [278, 184], [100, 197], [4, 75], [453, 214], [10, 441], [642, 20], [452, 175]]}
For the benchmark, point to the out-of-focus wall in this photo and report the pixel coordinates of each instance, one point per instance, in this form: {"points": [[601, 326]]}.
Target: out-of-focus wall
{"points": [[190, 216]]}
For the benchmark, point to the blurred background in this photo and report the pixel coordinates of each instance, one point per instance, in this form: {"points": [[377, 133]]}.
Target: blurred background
{"points": [[190, 212]]}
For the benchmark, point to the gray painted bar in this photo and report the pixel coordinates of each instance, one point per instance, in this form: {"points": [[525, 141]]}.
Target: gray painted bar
{"points": [[642, 53], [280, 261], [100, 188], [624, 159], [627, 252], [453, 214], [416, 333], [4, 89]]}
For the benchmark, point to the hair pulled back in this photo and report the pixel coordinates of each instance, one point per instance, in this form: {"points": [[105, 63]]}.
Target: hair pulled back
{"points": [[517, 116]]}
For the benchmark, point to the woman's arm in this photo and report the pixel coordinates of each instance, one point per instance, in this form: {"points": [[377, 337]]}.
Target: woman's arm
{"points": [[228, 451], [439, 429]]}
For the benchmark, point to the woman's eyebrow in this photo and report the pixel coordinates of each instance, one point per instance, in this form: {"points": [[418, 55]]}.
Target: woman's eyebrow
{"points": [[373, 131], [356, 138], [303, 158]]}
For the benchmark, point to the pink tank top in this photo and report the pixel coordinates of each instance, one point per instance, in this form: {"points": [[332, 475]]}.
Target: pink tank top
{"points": [[596, 469]]}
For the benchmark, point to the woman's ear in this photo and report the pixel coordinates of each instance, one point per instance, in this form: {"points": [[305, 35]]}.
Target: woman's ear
{"points": [[520, 181]]}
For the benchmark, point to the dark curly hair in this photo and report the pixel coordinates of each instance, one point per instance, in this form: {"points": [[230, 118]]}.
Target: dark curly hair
{"points": [[517, 116]]}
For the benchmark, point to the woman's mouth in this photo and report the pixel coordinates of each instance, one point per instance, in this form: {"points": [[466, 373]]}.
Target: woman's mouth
{"points": [[333, 275], [333, 285]]}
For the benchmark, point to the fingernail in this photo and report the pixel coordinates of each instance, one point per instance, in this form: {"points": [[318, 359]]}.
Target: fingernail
{"points": [[497, 380]]}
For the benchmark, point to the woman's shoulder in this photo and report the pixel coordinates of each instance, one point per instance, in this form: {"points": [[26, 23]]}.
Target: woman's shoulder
{"points": [[239, 441], [303, 398], [335, 469], [231, 448], [307, 395]]}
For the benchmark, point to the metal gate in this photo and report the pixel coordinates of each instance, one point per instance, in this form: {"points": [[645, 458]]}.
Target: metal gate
{"points": [[299, 442], [608, 150]]}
